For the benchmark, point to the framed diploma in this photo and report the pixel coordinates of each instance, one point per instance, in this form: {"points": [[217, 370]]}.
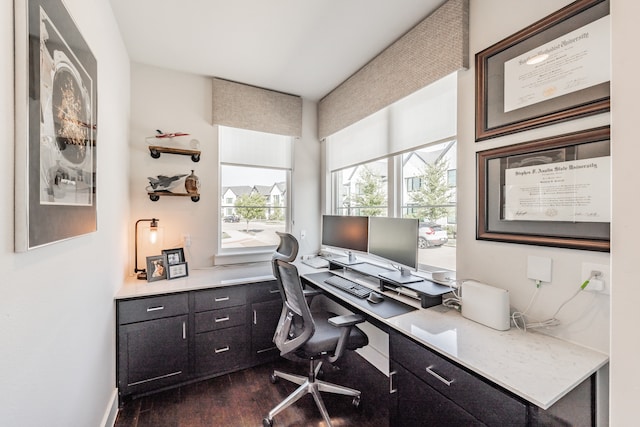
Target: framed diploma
{"points": [[547, 192], [554, 70]]}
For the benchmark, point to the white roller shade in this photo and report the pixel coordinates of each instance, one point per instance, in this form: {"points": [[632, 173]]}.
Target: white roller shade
{"points": [[246, 147], [426, 116]]}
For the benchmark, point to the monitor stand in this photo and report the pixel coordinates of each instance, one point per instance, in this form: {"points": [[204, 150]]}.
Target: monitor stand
{"points": [[402, 276], [349, 260]]}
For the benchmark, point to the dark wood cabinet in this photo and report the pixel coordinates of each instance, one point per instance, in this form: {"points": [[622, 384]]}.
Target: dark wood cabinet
{"points": [[168, 340], [221, 334], [428, 389], [415, 404], [266, 307], [453, 395], [152, 343], [265, 316]]}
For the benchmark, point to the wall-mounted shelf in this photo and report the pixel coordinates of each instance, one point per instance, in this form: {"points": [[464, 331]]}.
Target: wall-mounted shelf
{"points": [[155, 195], [156, 150]]}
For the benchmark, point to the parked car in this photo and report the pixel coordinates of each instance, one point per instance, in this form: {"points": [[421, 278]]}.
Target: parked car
{"points": [[231, 218], [431, 234]]}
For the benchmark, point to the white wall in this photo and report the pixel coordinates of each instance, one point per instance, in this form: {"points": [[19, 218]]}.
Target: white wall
{"points": [[57, 321], [174, 101], [588, 319], [585, 319], [625, 315]]}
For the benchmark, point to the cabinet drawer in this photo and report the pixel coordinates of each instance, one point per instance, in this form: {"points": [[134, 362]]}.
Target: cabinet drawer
{"points": [[484, 401], [142, 309], [212, 299], [221, 351], [265, 291], [414, 404], [220, 319]]}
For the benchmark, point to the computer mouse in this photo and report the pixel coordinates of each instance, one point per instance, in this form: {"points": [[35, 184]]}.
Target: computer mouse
{"points": [[375, 298]]}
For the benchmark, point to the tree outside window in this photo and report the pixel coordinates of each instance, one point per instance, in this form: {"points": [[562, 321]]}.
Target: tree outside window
{"points": [[431, 199], [371, 196], [250, 207]]}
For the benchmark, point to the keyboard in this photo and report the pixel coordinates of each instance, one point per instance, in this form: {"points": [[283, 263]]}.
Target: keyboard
{"points": [[348, 286], [316, 262]]}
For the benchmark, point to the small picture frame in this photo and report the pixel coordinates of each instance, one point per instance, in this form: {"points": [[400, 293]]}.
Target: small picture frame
{"points": [[175, 271], [174, 256], [156, 268]]}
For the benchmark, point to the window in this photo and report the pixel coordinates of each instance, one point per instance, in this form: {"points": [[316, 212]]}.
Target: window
{"points": [[414, 183], [397, 163], [361, 190], [254, 189]]}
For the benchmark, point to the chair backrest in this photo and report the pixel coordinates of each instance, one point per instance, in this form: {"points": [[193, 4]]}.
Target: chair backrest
{"points": [[296, 323], [287, 250]]}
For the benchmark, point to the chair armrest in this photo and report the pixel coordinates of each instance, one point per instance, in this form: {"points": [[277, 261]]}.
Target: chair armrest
{"points": [[312, 292], [346, 320]]}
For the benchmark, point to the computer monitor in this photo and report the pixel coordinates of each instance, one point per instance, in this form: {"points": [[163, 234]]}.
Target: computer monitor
{"points": [[346, 232], [396, 240]]}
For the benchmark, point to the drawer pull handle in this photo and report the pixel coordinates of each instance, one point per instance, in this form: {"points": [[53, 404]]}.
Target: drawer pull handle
{"points": [[150, 309], [222, 350], [255, 317], [274, 291], [392, 389], [184, 330], [218, 299], [221, 319], [438, 376]]}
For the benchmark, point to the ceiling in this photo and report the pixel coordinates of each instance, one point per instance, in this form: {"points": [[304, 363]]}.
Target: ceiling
{"points": [[301, 47]]}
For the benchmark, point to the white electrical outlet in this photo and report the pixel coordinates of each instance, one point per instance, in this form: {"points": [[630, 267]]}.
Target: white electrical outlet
{"points": [[303, 234], [605, 278], [186, 238], [539, 268]]}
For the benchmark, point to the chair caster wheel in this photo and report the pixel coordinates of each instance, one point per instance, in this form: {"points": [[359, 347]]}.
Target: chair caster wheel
{"points": [[356, 402], [273, 379], [266, 422]]}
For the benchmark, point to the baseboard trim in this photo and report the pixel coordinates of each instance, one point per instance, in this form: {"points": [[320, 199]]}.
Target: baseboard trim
{"points": [[109, 418]]}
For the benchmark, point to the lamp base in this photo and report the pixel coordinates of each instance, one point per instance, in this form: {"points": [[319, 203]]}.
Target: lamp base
{"points": [[142, 276]]}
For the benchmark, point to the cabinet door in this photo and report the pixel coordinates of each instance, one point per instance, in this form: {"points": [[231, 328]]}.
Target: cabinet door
{"points": [[152, 354], [265, 316], [414, 403]]}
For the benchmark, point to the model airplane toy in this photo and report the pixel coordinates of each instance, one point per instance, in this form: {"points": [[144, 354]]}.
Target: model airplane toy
{"points": [[163, 182], [161, 134]]}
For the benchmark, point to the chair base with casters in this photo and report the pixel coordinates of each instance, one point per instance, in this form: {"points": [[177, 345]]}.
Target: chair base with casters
{"points": [[349, 338], [309, 385]]}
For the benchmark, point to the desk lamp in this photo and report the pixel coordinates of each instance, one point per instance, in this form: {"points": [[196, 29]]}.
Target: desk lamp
{"points": [[153, 236]]}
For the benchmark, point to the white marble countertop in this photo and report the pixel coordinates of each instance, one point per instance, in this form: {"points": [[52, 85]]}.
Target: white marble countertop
{"points": [[212, 277], [532, 365]]}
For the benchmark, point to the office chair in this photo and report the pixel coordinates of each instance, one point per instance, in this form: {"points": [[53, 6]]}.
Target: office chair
{"points": [[306, 336]]}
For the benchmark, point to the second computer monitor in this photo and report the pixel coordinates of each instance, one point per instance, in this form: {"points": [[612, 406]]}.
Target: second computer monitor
{"points": [[396, 240]]}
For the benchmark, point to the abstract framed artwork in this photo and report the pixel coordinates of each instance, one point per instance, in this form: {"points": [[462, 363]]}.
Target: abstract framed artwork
{"points": [[56, 126], [554, 70], [548, 192]]}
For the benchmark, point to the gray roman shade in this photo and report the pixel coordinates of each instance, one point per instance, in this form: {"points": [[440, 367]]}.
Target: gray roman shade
{"points": [[435, 48], [248, 107]]}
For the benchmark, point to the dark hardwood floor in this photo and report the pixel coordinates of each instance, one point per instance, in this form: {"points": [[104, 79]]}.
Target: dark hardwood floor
{"points": [[244, 398]]}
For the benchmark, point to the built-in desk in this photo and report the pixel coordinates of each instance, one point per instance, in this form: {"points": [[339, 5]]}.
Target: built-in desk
{"points": [[536, 368], [532, 369]]}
